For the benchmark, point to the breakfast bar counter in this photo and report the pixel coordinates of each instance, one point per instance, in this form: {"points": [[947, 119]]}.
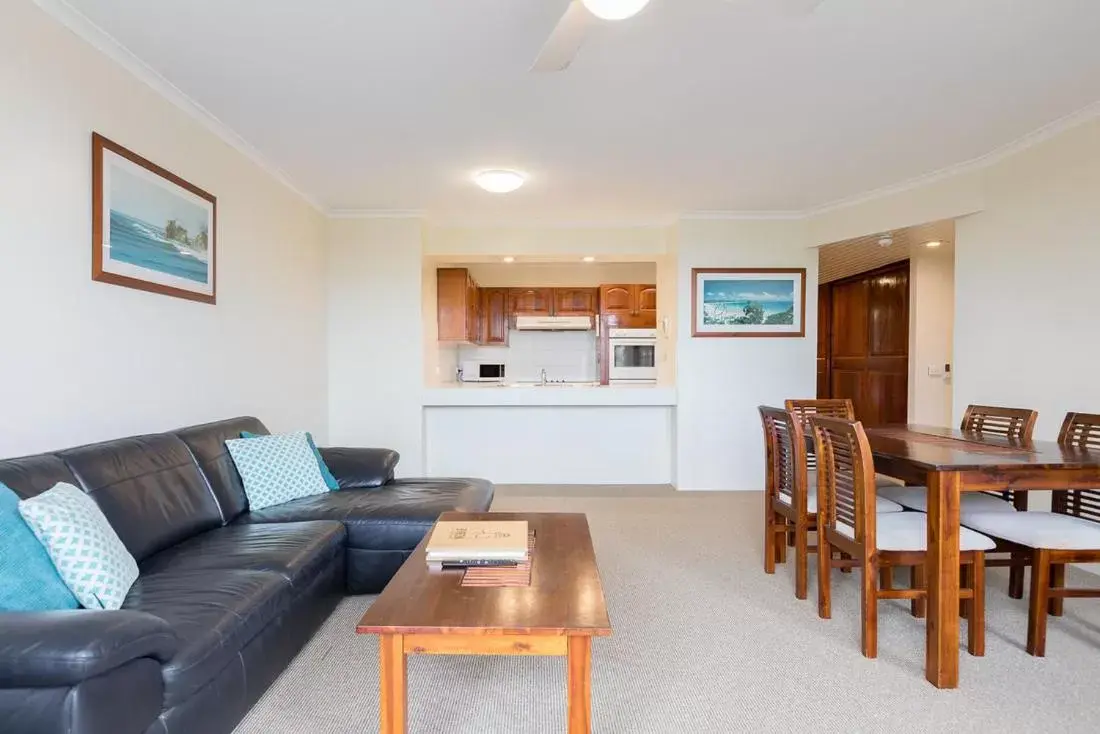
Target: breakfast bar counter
{"points": [[551, 434]]}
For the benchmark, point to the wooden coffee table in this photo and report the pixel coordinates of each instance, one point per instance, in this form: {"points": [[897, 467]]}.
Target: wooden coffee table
{"points": [[558, 614]]}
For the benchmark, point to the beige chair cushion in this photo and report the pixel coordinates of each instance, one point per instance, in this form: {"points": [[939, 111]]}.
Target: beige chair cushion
{"points": [[1038, 529], [908, 531], [916, 498]]}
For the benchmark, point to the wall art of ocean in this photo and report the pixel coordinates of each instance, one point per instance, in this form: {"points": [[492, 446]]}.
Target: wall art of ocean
{"points": [[145, 245]]}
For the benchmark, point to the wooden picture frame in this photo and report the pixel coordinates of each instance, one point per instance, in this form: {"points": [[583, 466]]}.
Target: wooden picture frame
{"points": [[748, 302], [151, 230]]}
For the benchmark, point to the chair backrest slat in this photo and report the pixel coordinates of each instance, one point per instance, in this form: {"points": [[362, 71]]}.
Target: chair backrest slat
{"points": [[785, 451], [847, 500], [1081, 432], [804, 410]]}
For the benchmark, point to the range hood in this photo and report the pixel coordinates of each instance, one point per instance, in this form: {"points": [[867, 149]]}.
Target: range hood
{"points": [[553, 323]]}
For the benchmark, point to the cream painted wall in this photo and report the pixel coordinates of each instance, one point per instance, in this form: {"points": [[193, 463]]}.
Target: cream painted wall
{"points": [[722, 381], [376, 338], [1025, 281], [931, 324], [86, 361]]}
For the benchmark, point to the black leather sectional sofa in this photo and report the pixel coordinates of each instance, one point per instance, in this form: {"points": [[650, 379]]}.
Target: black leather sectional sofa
{"points": [[226, 597]]}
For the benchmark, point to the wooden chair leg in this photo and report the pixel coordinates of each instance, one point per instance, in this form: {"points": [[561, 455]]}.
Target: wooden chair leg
{"points": [[966, 580], [886, 577], [846, 557], [918, 607], [769, 541], [975, 620], [792, 538], [1037, 609], [801, 559], [781, 542], [869, 605], [824, 571], [1016, 576], [1057, 581]]}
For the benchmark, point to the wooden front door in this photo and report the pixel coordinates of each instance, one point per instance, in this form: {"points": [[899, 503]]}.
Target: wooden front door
{"points": [[867, 356]]}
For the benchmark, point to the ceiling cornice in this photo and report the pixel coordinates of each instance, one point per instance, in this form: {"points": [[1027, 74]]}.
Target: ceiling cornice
{"points": [[79, 24], [98, 38]]}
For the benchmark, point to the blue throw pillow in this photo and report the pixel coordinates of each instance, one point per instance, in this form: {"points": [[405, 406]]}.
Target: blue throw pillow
{"points": [[330, 481], [28, 580], [276, 469]]}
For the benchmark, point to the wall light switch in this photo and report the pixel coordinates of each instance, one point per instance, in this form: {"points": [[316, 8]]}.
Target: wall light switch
{"points": [[935, 371]]}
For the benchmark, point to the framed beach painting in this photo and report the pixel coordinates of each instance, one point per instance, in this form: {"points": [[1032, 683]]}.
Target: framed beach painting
{"points": [[748, 302], [151, 230]]}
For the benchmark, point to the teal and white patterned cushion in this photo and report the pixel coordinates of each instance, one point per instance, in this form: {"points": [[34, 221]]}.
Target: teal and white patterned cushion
{"points": [[276, 469], [84, 548]]}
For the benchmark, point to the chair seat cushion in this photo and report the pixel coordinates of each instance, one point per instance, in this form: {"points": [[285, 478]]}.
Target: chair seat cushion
{"points": [[908, 531], [215, 613], [299, 551], [1038, 529], [881, 505], [395, 516], [916, 498]]}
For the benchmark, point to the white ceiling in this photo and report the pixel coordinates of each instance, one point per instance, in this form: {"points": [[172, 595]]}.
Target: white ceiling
{"points": [[691, 105], [860, 254]]}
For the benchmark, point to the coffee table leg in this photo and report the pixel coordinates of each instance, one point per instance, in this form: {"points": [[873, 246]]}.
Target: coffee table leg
{"points": [[580, 684], [394, 697]]}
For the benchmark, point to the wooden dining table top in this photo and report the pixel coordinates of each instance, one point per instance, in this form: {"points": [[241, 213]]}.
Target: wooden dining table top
{"points": [[948, 449]]}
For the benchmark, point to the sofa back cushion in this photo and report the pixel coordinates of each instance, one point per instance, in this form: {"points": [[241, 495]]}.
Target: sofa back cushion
{"points": [[207, 443], [32, 475], [149, 488]]}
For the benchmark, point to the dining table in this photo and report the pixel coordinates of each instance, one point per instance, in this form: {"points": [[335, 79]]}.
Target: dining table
{"points": [[949, 462]]}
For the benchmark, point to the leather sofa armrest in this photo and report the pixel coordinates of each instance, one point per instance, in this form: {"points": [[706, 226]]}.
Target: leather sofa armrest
{"points": [[361, 468], [42, 649]]}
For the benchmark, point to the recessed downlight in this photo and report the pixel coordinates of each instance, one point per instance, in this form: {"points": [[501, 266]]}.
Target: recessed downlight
{"points": [[614, 9], [588, 259], [933, 243], [509, 259], [499, 180]]}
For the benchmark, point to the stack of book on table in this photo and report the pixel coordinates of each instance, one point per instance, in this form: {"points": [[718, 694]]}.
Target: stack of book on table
{"points": [[466, 543]]}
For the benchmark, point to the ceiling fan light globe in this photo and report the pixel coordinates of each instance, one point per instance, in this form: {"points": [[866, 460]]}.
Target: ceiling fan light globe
{"points": [[499, 181], [614, 9]]}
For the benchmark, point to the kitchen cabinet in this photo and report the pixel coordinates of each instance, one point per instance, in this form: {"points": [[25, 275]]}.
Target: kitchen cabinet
{"points": [[631, 306], [458, 306], [530, 301], [494, 316], [576, 301]]}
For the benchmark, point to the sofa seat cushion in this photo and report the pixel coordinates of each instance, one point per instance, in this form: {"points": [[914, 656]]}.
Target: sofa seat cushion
{"points": [[299, 551], [395, 516], [214, 613]]}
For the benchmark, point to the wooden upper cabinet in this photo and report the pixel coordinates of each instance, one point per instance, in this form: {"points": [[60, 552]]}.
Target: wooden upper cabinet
{"points": [[530, 301], [494, 316], [575, 301], [458, 305], [629, 306], [617, 300]]}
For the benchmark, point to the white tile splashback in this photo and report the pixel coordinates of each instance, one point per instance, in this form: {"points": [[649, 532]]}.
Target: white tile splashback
{"points": [[565, 355]]}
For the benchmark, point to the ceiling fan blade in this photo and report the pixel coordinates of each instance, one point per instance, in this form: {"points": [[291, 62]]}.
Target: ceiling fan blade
{"points": [[562, 46]]}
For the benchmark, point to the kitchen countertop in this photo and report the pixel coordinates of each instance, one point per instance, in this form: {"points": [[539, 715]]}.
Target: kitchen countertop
{"points": [[528, 395]]}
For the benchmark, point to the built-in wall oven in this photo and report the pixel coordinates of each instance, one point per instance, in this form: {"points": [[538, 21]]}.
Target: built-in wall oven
{"points": [[632, 356]]}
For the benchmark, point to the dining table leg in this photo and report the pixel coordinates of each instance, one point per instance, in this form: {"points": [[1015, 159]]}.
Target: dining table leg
{"points": [[941, 666]]}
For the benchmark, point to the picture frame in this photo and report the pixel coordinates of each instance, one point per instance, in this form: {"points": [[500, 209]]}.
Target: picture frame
{"points": [[748, 302], [151, 229]]}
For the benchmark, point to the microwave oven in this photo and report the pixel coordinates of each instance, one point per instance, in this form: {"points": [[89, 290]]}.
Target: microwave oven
{"points": [[482, 372]]}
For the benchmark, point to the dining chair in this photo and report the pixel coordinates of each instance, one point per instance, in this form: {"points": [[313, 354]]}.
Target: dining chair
{"points": [[1069, 533], [1014, 424], [847, 521], [790, 504]]}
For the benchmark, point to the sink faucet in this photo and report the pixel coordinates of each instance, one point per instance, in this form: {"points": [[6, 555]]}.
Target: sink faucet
{"points": [[542, 376]]}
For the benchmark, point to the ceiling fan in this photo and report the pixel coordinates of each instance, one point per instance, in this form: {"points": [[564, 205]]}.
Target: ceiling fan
{"points": [[583, 15]]}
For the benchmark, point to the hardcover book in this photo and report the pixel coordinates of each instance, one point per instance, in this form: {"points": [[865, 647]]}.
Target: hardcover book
{"points": [[474, 540]]}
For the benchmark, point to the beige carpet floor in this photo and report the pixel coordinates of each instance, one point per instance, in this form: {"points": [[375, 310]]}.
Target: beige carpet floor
{"points": [[706, 642]]}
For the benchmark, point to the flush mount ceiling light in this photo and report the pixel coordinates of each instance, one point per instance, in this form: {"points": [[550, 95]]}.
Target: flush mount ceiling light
{"points": [[509, 259], [933, 243], [500, 180], [614, 9], [886, 240], [589, 259]]}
